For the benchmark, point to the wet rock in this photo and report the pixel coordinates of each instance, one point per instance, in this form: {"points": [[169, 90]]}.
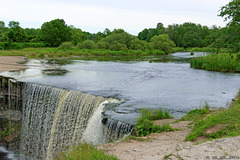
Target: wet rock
{"points": [[12, 137]]}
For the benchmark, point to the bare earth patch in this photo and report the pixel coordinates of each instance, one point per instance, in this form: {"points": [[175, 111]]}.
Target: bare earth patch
{"points": [[172, 145], [10, 63]]}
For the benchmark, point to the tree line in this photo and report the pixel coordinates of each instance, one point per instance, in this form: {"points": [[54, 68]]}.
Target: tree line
{"points": [[185, 35]]}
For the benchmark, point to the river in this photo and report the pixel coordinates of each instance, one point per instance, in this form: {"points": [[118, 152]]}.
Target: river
{"points": [[166, 82]]}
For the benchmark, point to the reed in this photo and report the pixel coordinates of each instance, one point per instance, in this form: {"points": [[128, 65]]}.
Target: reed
{"points": [[218, 62]]}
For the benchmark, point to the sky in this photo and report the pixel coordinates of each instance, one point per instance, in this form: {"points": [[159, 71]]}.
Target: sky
{"points": [[95, 15]]}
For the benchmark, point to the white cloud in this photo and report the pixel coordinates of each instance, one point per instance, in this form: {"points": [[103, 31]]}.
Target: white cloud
{"points": [[94, 16]]}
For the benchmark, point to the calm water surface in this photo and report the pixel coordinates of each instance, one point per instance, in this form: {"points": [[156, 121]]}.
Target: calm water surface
{"points": [[170, 85]]}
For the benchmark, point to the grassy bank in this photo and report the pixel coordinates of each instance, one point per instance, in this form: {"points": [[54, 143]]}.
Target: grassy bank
{"points": [[215, 124], [218, 62], [57, 52]]}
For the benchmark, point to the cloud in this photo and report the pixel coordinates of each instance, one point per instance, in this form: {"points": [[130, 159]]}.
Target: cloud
{"points": [[94, 16]]}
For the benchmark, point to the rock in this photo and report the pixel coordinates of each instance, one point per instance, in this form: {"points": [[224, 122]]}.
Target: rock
{"points": [[11, 137], [234, 99]]}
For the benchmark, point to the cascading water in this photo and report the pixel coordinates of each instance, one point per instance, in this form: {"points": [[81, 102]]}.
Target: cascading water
{"points": [[54, 118], [114, 130]]}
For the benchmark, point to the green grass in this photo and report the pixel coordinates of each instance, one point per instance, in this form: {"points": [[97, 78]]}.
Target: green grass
{"points": [[62, 52], [84, 152], [9, 128], [196, 114], [218, 62], [144, 125], [228, 118]]}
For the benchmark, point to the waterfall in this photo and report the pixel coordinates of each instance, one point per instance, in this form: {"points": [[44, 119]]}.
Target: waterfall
{"points": [[115, 130], [54, 118]]}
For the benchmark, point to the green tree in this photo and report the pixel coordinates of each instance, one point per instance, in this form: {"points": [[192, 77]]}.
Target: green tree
{"points": [[231, 12], [137, 44], [118, 36], [160, 28], [143, 34], [2, 24], [17, 34], [55, 32], [106, 32], [77, 35], [162, 42], [13, 24]]}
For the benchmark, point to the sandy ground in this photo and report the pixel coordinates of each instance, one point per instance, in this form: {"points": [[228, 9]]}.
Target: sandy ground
{"points": [[171, 145], [10, 63]]}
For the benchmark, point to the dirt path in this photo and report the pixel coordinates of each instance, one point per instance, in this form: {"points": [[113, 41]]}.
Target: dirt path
{"points": [[10, 63], [171, 145]]}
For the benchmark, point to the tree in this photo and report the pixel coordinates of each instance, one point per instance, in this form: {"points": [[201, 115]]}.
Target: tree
{"points": [[232, 12], [160, 28], [13, 24], [55, 32], [2, 24], [137, 44], [143, 35], [118, 36], [162, 42], [77, 35], [17, 34]]}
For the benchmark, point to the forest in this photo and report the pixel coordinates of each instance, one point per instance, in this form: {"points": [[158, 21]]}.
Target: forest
{"points": [[57, 33]]}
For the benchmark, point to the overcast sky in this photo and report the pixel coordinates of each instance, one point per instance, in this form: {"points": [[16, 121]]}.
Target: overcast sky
{"points": [[95, 15]]}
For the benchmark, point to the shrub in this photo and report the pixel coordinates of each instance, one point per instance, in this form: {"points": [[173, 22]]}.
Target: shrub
{"points": [[102, 45], [66, 45], [144, 125], [88, 44]]}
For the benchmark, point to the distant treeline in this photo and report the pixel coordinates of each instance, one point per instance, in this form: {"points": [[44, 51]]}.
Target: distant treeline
{"points": [[187, 35]]}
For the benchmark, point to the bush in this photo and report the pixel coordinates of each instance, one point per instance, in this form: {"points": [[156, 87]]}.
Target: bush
{"points": [[144, 125], [88, 44], [102, 45], [66, 45]]}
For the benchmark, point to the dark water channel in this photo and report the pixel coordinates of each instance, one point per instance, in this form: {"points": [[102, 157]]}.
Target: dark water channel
{"points": [[166, 82]]}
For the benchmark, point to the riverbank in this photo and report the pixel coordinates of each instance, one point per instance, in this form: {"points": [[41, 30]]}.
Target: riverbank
{"points": [[11, 63], [173, 145]]}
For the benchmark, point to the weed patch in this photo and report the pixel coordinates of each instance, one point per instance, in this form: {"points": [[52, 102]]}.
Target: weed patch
{"points": [[144, 125]]}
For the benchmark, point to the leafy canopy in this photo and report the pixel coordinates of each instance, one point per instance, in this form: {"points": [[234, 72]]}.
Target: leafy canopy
{"points": [[55, 32]]}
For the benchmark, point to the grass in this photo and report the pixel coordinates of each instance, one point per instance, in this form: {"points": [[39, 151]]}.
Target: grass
{"points": [[59, 52], [144, 125], [9, 127], [218, 62], [228, 118], [84, 152], [196, 114]]}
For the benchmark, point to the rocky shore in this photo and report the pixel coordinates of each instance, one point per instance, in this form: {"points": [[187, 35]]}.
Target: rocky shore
{"points": [[172, 146]]}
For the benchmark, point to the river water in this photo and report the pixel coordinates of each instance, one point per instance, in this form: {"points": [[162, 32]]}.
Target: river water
{"points": [[166, 82]]}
